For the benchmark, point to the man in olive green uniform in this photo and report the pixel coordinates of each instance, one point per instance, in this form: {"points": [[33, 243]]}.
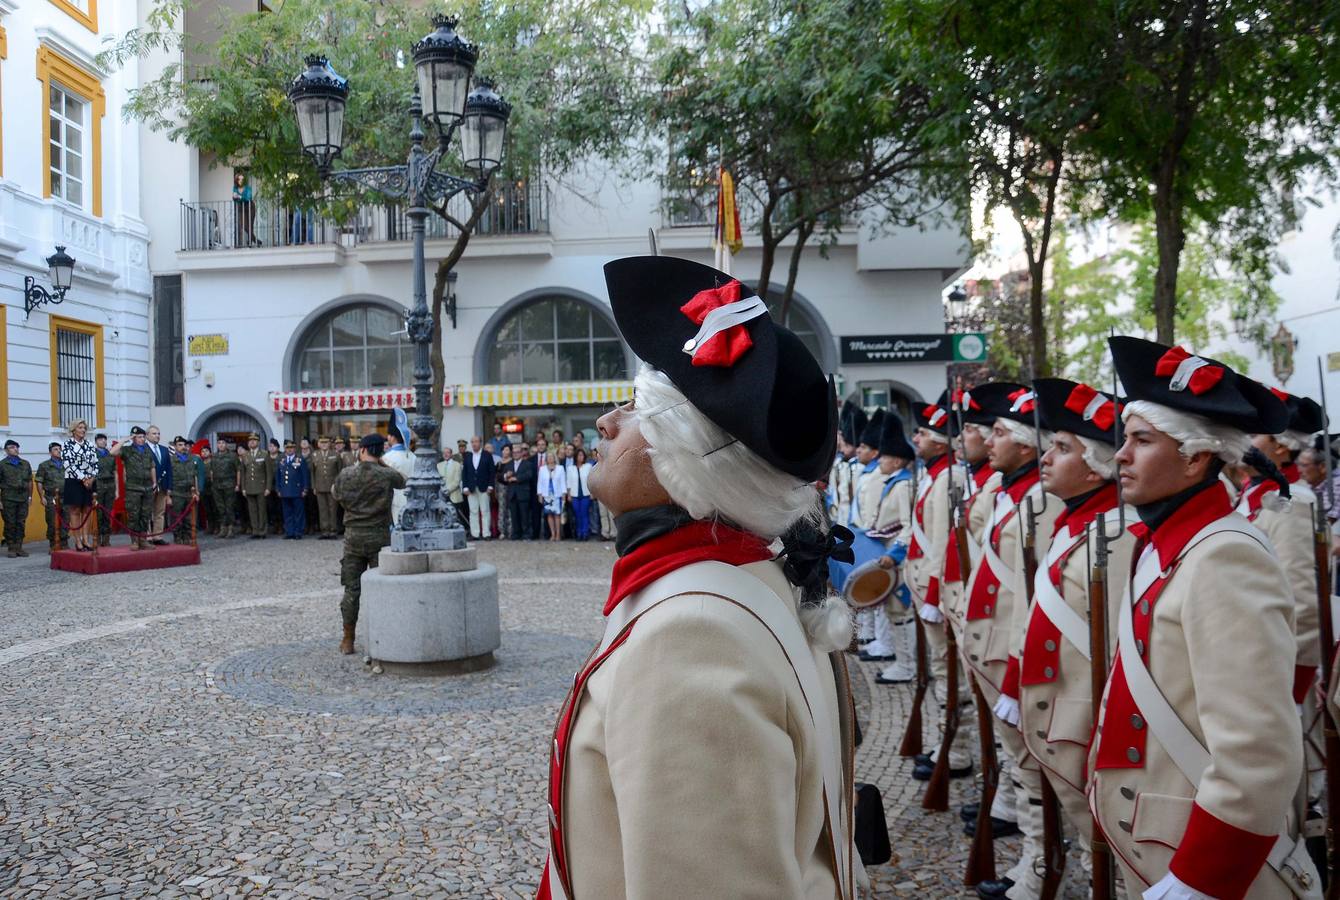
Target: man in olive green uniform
{"points": [[138, 462], [104, 490], [257, 480], [347, 458], [325, 465], [185, 489], [224, 469], [50, 484], [16, 491], [365, 492]]}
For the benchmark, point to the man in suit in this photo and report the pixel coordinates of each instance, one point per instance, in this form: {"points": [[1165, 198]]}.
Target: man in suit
{"points": [[521, 492], [292, 480], [162, 483], [477, 483]]}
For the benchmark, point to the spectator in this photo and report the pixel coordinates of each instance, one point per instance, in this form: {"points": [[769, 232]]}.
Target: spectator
{"points": [[244, 212], [274, 510], [539, 524], [499, 439], [581, 495], [477, 482], [81, 468], [521, 493], [503, 521], [398, 457], [460, 450], [552, 489], [450, 471], [605, 527]]}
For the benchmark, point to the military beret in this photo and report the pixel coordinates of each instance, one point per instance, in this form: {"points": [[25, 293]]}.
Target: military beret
{"points": [[372, 441], [253, 436], [11, 443], [137, 430], [180, 440]]}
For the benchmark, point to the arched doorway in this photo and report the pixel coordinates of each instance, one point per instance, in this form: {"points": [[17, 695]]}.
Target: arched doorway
{"points": [[230, 421], [548, 360]]}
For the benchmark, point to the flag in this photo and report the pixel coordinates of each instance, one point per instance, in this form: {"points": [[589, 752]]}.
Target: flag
{"points": [[726, 236]]}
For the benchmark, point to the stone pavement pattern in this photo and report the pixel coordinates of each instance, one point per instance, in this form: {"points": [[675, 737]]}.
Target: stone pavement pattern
{"points": [[192, 732]]}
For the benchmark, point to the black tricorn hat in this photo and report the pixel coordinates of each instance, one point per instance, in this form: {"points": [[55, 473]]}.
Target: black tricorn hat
{"points": [[853, 422], [1305, 414], [1004, 400], [1172, 377], [873, 429], [893, 439], [935, 416], [1071, 406], [970, 409], [753, 378]]}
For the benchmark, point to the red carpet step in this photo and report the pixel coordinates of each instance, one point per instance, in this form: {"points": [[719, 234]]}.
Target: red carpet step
{"points": [[124, 559]]}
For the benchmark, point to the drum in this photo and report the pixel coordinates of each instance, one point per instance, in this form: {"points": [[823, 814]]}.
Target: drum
{"points": [[863, 582]]}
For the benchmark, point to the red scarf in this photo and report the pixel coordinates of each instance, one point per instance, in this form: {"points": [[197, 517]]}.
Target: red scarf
{"points": [[694, 542]]}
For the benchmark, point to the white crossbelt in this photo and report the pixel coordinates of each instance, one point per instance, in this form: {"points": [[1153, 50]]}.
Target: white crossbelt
{"points": [[711, 578], [1288, 857], [1072, 626], [1004, 573]]}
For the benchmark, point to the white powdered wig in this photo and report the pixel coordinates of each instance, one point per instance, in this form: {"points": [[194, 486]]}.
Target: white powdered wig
{"points": [[984, 431], [708, 472], [1196, 434], [1294, 441], [1100, 457], [1026, 434], [931, 435]]}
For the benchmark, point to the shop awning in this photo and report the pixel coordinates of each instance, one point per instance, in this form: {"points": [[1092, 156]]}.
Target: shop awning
{"points": [[568, 393], [348, 400]]}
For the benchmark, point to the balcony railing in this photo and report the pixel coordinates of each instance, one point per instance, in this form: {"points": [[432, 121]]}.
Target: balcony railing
{"points": [[234, 224]]}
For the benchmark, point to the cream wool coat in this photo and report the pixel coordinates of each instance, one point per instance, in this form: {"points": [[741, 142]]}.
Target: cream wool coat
{"points": [[839, 479], [894, 508], [865, 489], [693, 765], [954, 602], [1222, 652], [1290, 531]]}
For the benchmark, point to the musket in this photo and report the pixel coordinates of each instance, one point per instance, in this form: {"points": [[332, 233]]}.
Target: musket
{"points": [[912, 742], [1322, 551], [936, 797]]}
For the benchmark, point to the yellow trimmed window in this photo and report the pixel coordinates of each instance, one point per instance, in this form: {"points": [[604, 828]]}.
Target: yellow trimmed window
{"points": [[77, 374], [4, 52], [85, 12], [71, 131]]}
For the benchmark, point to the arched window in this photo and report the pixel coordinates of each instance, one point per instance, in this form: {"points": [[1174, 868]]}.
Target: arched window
{"points": [[356, 347], [798, 321], [556, 339]]}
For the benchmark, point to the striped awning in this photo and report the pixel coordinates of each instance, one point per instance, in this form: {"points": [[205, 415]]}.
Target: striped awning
{"points": [[348, 399], [568, 393]]}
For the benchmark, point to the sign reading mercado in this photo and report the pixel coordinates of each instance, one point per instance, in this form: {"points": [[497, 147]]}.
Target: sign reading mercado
{"points": [[903, 348]]}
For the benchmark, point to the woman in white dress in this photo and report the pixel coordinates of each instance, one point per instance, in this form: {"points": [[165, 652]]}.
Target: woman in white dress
{"points": [[552, 487]]}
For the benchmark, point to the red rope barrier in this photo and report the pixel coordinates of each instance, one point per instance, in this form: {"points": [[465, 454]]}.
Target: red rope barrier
{"points": [[111, 514]]}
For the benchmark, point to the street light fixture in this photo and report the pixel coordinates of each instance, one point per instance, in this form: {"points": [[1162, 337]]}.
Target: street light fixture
{"points": [[60, 268], [444, 64], [957, 300]]}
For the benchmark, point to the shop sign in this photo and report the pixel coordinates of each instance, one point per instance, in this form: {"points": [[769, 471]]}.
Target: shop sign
{"points": [[905, 348], [207, 344]]}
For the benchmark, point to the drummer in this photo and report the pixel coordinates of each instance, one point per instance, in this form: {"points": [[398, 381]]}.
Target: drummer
{"points": [[893, 525], [866, 482]]}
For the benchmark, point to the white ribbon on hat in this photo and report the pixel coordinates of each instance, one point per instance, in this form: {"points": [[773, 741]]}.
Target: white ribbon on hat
{"points": [[1094, 405], [1185, 369], [723, 317], [936, 417], [1023, 398]]}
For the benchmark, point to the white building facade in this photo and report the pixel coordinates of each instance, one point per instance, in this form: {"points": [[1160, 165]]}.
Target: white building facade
{"points": [[69, 176]]}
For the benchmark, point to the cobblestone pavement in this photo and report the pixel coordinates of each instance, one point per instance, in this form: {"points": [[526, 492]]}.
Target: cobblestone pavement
{"points": [[193, 732]]}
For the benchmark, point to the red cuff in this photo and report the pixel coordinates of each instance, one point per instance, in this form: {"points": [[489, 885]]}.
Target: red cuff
{"points": [[1010, 686], [1217, 858], [933, 592], [1303, 679]]}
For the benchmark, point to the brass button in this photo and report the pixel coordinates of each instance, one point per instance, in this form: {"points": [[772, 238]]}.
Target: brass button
{"points": [[1128, 793], [1048, 672], [976, 635], [1140, 647], [1041, 734], [1049, 646], [1144, 607], [972, 656], [1051, 751], [987, 609], [1124, 825], [1137, 723], [1042, 704], [1133, 754], [990, 588]]}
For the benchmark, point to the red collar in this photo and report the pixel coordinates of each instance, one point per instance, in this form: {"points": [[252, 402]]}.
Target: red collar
{"points": [[694, 542], [1291, 472], [983, 475], [1200, 510], [1017, 490], [935, 468], [1255, 495], [1076, 520]]}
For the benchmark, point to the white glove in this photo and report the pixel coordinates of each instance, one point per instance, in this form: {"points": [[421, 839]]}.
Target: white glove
{"points": [[1170, 887], [1007, 710], [931, 614]]}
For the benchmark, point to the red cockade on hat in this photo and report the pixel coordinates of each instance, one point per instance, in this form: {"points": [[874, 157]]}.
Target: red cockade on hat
{"points": [[963, 400], [934, 415], [1092, 406], [1188, 372], [725, 347], [1022, 401], [1283, 395]]}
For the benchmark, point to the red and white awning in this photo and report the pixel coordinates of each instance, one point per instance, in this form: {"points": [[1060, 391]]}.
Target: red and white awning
{"points": [[348, 400]]}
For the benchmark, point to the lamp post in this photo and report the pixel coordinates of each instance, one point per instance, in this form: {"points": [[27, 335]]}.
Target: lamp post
{"points": [[60, 268], [444, 65], [957, 303]]}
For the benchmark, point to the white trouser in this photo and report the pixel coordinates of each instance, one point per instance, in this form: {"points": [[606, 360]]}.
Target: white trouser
{"points": [[883, 644], [481, 510], [865, 625]]}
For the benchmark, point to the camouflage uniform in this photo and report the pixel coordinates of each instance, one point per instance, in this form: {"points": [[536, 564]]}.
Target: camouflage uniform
{"points": [[51, 479], [16, 491], [257, 478], [138, 462], [325, 467], [224, 469], [104, 491], [183, 489], [365, 493]]}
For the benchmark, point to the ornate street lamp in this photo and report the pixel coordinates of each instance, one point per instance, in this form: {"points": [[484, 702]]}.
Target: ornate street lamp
{"points": [[444, 64], [60, 268], [957, 303]]}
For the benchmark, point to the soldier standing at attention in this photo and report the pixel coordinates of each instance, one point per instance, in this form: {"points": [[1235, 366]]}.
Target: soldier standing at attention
{"points": [[225, 471], [326, 465], [184, 489], [50, 483], [138, 461], [16, 491], [256, 478], [364, 491], [292, 479], [1198, 754], [104, 490]]}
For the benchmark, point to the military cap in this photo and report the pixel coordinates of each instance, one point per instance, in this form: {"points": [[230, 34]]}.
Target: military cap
{"points": [[1077, 408], [137, 430], [970, 410], [11, 443], [1305, 414], [288, 442], [935, 416], [893, 439], [873, 428], [253, 436], [180, 440], [853, 421], [1006, 400]]}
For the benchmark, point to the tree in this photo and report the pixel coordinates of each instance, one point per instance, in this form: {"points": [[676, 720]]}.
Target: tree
{"points": [[796, 101], [570, 69], [1221, 109]]}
